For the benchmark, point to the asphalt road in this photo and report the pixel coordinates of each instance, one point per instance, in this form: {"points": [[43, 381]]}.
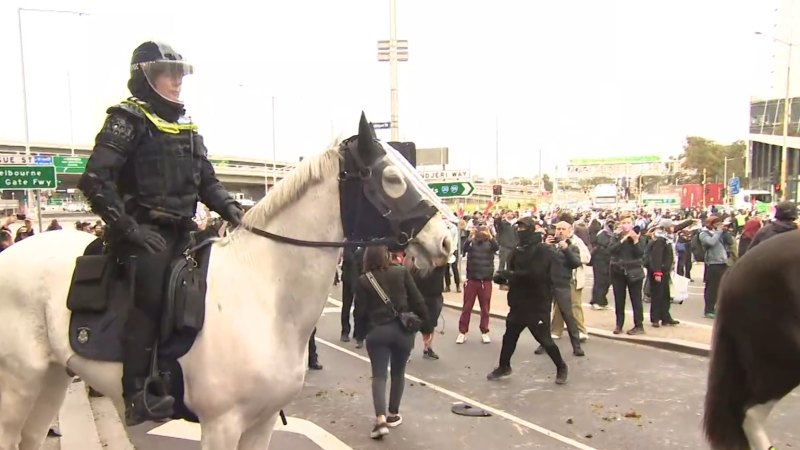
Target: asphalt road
{"points": [[620, 396]]}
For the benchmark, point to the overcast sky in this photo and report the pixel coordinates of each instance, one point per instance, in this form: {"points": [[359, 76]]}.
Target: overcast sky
{"points": [[584, 78]]}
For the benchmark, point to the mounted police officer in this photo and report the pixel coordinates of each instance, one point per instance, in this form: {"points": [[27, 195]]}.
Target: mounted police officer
{"points": [[144, 178]]}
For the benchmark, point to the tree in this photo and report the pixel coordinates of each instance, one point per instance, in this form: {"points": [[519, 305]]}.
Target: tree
{"points": [[700, 153], [547, 184]]}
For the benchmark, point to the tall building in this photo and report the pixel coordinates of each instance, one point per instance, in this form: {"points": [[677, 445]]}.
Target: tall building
{"points": [[767, 132]]}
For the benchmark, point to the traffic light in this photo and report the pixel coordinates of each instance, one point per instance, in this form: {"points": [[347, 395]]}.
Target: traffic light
{"points": [[497, 190], [777, 187], [408, 150]]}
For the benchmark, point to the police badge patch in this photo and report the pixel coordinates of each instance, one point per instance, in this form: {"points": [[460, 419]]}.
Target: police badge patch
{"points": [[118, 126], [83, 335]]}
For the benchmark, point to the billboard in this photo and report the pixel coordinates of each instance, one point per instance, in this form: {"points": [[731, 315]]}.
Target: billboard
{"points": [[617, 167]]}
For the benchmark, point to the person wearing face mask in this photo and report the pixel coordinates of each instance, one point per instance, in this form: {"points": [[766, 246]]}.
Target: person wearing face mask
{"points": [[659, 267], [529, 299], [627, 273], [148, 169]]}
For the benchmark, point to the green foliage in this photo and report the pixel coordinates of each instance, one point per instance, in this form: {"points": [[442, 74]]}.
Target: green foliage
{"points": [[700, 153], [547, 182]]}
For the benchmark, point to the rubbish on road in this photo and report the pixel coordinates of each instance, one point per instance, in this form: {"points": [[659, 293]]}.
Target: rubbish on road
{"points": [[464, 409]]}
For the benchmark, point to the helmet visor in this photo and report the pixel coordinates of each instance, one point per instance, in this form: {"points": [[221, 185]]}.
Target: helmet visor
{"points": [[166, 77]]}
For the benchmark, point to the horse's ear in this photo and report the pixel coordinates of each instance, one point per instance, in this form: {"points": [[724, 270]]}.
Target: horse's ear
{"points": [[367, 149]]}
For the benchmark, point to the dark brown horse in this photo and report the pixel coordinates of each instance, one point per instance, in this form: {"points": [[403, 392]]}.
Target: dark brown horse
{"points": [[755, 358]]}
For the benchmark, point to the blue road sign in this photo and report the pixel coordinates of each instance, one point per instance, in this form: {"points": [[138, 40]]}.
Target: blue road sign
{"points": [[735, 185], [43, 160], [381, 125]]}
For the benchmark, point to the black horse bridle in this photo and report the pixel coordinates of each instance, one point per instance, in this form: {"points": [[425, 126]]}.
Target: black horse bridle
{"points": [[355, 170]]}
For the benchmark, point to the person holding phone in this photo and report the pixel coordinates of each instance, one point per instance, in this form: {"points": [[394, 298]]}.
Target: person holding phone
{"points": [[627, 273], [25, 231]]}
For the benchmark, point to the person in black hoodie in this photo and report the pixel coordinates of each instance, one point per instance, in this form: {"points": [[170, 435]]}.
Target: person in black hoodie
{"points": [[659, 268], [529, 299], [785, 215], [601, 259]]}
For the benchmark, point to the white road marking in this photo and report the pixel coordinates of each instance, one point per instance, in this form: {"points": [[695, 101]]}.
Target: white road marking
{"points": [[181, 429], [462, 398]]}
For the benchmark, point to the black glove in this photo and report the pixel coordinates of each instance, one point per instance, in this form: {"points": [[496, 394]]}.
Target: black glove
{"points": [[147, 239], [130, 231], [501, 276], [233, 213]]}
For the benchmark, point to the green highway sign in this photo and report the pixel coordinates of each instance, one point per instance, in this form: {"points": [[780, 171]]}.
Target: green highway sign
{"points": [[70, 164], [452, 189], [27, 177]]}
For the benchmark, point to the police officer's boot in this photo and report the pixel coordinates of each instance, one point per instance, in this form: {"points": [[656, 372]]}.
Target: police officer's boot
{"points": [[145, 398]]}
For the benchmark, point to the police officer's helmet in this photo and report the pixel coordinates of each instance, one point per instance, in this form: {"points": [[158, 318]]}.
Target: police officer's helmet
{"points": [[152, 60]]}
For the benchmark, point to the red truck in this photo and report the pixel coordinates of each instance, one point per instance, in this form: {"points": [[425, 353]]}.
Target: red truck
{"points": [[692, 195]]}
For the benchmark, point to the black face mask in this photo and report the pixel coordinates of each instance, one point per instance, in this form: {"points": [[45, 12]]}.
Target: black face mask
{"points": [[528, 237]]}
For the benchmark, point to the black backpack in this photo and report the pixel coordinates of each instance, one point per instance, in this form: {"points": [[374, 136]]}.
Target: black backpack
{"points": [[697, 247]]}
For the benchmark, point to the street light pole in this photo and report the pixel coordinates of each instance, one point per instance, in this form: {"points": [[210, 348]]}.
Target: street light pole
{"points": [[30, 193], [786, 118], [393, 69], [274, 152]]}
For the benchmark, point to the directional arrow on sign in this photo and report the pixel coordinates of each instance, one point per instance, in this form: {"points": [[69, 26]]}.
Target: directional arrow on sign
{"points": [[452, 189]]}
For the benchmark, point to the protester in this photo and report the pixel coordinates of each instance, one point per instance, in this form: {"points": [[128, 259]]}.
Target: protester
{"points": [[388, 339]]}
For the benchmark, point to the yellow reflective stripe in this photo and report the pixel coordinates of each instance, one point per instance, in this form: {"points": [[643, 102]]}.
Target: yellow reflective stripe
{"points": [[161, 124]]}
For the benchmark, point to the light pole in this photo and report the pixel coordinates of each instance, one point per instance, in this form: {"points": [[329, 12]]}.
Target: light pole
{"points": [[274, 152], [786, 117], [29, 192], [266, 166], [393, 51]]}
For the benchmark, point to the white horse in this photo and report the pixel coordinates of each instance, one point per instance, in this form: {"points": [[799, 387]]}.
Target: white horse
{"points": [[263, 300]]}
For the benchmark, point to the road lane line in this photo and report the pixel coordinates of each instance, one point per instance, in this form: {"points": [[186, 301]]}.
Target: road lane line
{"points": [[465, 399], [190, 431]]}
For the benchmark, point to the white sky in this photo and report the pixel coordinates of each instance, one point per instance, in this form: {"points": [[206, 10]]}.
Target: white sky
{"points": [[584, 78]]}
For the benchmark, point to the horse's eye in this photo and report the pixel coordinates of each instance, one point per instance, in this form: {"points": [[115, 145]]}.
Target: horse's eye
{"points": [[393, 182]]}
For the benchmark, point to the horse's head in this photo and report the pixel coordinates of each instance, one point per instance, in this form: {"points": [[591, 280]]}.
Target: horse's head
{"points": [[384, 196]]}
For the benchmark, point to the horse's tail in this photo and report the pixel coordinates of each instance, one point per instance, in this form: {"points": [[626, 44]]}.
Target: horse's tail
{"points": [[726, 395]]}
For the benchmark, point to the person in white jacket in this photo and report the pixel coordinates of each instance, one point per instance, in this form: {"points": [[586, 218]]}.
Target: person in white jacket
{"points": [[578, 283]]}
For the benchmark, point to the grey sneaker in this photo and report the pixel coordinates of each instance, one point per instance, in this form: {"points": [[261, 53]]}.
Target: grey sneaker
{"points": [[379, 430]]}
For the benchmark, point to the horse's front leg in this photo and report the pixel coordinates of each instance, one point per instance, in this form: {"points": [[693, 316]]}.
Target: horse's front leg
{"points": [[259, 434], [221, 433], [754, 419]]}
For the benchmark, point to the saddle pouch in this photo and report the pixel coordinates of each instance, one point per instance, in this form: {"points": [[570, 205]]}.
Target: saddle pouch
{"points": [[186, 292], [190, 307], [90, 283]]}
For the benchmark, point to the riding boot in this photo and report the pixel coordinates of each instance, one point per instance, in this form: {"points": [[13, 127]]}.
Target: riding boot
{"points": [[144, 398]]}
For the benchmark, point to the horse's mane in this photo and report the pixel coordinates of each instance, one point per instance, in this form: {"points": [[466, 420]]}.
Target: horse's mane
{"points": [[310, 171]]}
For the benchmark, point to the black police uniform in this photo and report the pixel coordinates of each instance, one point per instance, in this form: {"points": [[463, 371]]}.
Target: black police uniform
{"points": [[144, 178]]}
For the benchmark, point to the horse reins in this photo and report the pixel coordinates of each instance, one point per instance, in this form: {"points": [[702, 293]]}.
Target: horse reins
{"points": [[362, 173]]}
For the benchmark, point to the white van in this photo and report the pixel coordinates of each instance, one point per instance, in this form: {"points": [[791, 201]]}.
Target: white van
{"points": [[746, 198]]}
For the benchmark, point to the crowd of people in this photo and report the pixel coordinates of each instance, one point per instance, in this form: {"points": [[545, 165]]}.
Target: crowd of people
{"points": [[542, 260]]}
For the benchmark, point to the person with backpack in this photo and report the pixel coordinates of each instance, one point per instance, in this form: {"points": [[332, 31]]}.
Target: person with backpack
{"points": [[716, 260]]}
